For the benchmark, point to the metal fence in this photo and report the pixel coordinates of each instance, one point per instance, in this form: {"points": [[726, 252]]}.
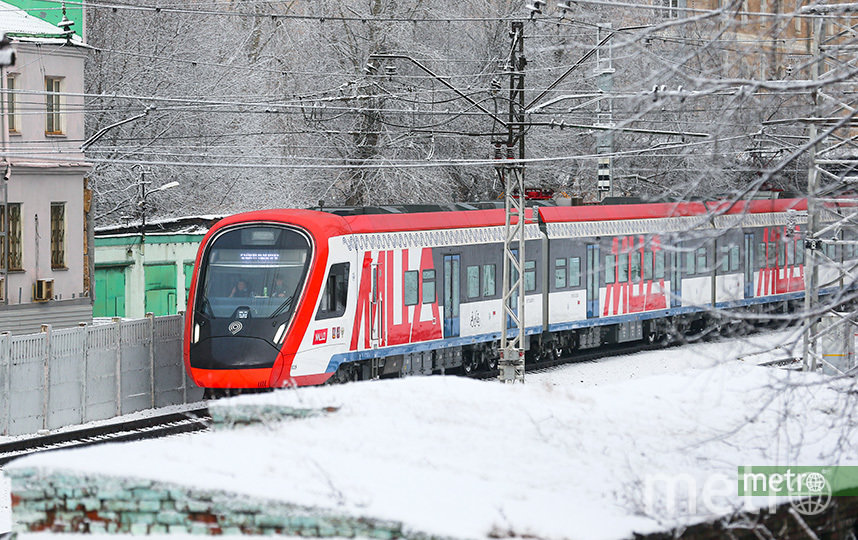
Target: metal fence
{"points": [[71, 376]]}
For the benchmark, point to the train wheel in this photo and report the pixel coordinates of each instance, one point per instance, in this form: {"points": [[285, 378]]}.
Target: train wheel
{"points": [[470, 362]]}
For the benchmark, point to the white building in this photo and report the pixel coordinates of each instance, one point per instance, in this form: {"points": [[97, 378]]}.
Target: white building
{"points": [[45, 261]]}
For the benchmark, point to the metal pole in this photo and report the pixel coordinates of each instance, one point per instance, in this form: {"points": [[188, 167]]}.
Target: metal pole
{"points": [[811, 244], [511, 364]]}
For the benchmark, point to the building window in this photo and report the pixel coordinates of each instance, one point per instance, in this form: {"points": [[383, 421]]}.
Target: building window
{"points": [[670, 8], [58, 235], [12, 102], [12, 224], [53, 124]]}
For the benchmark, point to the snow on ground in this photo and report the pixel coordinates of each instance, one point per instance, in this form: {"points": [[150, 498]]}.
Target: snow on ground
{"points": [[552, 458]]}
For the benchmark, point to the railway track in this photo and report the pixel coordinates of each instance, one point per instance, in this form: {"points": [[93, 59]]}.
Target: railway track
{"points": [[131, 430]]}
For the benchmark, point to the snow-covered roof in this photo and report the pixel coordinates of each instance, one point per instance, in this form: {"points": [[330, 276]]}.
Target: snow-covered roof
{"points": [[21, 26]]}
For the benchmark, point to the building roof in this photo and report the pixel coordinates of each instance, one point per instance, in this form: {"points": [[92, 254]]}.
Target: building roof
{"points": [[22, 27]]}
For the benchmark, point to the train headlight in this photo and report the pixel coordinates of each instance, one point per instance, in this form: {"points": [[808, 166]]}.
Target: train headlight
{"points": [[196, 333], [281, 331]]}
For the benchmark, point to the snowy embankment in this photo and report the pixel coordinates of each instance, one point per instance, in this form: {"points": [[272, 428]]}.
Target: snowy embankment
{"points": [[551, 458]]}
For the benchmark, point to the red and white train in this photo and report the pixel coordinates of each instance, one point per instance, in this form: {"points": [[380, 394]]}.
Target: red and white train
{"points": [[296, 297]]}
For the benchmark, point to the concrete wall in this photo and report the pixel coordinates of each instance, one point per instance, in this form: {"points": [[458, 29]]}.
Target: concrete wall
{"points": [[58, 378]]}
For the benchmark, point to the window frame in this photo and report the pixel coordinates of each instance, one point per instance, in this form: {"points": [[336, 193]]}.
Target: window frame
{"points": [[12, 116], [476, 291], [337, 270], [58, 236], [15, 240], [406, 297], [54, 102], [428, 281], [561, 272], [484, 282]]}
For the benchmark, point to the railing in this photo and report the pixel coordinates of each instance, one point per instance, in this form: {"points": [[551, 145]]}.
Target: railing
{"points": [[72, 376]]}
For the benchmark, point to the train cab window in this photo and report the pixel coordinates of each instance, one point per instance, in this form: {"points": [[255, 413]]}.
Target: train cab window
{"points": [[529, 276], [636, 266], [428, 286], [690, 259], [702, 262], [254, 271], [489, 280], [560, 273], [610, 261], [473, 274], [410, 286], [336, 292], [659, 265], [623, 267], [574, 272]]}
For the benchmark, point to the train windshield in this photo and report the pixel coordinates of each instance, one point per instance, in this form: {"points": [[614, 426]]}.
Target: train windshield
{"points": [[253, 272]]}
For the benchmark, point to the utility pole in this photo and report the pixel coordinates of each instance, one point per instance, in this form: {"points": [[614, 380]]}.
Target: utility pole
{"points": [[511, 364], [828, 340], [604, 73]]}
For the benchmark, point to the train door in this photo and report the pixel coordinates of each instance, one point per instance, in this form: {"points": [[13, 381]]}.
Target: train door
{"points": [[749, 265], [675, 279], [451, 295], [592, 281], [376, 300]]}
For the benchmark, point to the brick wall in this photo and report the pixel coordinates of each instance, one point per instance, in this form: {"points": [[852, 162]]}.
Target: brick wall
{"points": [[63, 502]]}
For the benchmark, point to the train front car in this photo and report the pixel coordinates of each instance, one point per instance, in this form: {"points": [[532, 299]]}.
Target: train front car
{"points": [[256, 282]]}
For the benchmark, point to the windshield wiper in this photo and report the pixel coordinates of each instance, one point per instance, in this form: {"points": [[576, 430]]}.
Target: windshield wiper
{"points": [[286, 303]]}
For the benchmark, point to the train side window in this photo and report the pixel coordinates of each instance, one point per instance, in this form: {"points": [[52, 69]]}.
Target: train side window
{"points": [[560, 273], [489, 280], [659, 265], [734, 258], [689, 262], [428, 286], [336, 292], [609, 268], [411, 287], [574, 272], [790, 254], [725, 259], [831, 251], [702, 263], [529, 276], [622, 267], [773, 255], [473, 274], [781, 253], [647, 268], [761, 255], [799, 252], [636, 266]]}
